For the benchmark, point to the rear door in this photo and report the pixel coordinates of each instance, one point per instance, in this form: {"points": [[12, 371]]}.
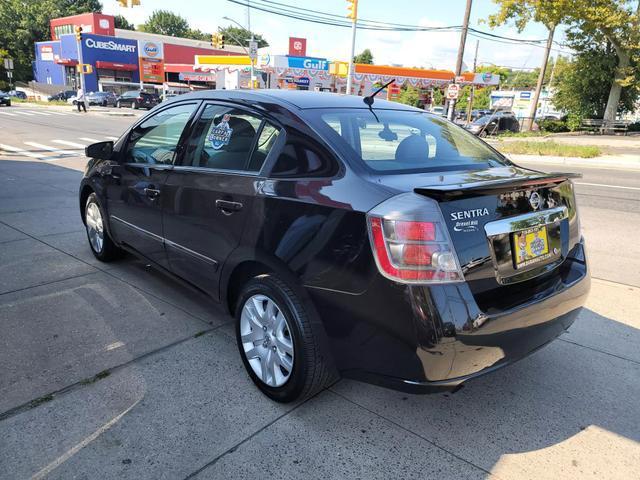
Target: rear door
{"points": [[135, 193], [209, 196]]}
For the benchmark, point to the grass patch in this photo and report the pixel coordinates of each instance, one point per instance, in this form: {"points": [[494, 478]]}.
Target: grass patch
{"points": [[528, 133], [549, 148], [40, 102]]}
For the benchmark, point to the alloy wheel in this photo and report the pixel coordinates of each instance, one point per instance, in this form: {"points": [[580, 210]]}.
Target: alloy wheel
{"points": [[267, 340], [95, 227]]}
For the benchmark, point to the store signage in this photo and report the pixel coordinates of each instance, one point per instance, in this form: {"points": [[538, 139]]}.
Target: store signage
{"points": [[110, 45], [297, 47], [150, 49], [198, 77], [525, 95], [46, 53], [309, 63], [302, 81]]}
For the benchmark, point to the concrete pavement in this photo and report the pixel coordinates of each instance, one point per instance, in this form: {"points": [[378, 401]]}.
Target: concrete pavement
{"points": [[115, 371]]}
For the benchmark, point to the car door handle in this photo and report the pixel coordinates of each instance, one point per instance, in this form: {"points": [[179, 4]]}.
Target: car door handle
{"points": [[152, 192], [228, 207]]}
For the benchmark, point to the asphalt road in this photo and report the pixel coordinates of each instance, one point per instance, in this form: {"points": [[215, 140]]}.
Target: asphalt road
{"points": [[115, 371]]}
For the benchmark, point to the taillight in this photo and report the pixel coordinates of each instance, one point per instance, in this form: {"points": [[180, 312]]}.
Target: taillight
{"points": [[139, 99], [410, 241]]}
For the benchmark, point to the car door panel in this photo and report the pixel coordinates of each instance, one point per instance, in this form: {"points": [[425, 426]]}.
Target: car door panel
{"points": [[207, 205], [135, 194]]}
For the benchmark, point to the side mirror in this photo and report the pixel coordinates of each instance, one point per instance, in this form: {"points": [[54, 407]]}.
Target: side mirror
{"points": [[100, 150]]}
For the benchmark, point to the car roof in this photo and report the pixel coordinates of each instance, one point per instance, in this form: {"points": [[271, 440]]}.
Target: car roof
{"points": [[302, 99]]}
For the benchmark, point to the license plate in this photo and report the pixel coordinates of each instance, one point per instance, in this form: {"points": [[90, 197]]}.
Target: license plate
{"points": [[530, 246]]}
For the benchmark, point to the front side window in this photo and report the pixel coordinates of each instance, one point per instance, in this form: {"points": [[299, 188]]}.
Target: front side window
{"points": [[155, 141], [399, 141], [226, 138]]}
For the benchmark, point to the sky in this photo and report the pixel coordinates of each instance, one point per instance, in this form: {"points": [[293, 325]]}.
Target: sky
{"points": [[409, 49]]}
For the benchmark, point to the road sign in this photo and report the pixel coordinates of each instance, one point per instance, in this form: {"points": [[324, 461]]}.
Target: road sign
{"points": [[8, 64], [453, 90], [9, 74], [460, 79], [253, 50]]}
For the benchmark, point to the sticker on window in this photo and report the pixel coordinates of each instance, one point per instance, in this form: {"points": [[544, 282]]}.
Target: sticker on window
{"points": [[220, 135]]}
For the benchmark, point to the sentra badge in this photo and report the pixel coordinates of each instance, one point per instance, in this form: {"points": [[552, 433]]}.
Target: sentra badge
{"points": [[466, 219], [220, 135]]}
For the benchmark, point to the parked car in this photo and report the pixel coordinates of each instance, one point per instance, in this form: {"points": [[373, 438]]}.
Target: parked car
{"points": [[17, 94], [494, 123], [368, 240], [73, 100], [103, 99], [5, 99], [137, 99], [438, 110], [62, 96]]}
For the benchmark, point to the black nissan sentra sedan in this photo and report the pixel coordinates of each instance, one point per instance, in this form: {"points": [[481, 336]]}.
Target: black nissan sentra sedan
{"points": [[376, 242]]}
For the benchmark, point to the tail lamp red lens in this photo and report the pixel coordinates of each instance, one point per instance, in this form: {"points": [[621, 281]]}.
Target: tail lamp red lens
{"points": [[413, 251]]}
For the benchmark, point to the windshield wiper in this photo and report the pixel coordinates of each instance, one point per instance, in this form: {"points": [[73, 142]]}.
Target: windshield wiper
{"points": [[369, 98]]}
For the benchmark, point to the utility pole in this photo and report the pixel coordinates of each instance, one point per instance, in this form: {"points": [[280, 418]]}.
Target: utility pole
{"points": [[353, 15], [463, 41], [528, 122], [473, 86], [251, 44]]}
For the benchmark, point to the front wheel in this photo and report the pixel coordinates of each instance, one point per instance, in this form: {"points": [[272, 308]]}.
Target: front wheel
{"points": [[118, 105], [281, 347], [102, 246]]}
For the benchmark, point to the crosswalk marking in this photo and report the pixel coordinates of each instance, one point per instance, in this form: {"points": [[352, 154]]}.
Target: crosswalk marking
{"points": [[90, 140], [22, 112], [35, 112], [69, 144], [111, 138], [51, 149], [58, 113], [8, 113], [20, 151]]}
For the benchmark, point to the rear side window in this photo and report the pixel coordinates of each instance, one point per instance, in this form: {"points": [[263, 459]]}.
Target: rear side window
{"points": [[302, 157], [227, 138], [399, 141]]}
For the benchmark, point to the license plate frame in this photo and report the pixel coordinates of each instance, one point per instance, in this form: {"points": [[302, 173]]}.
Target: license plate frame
{"points": [[530, 246]]}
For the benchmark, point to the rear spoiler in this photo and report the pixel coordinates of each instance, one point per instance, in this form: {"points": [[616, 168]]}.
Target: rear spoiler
{"points": [[462, 190]]}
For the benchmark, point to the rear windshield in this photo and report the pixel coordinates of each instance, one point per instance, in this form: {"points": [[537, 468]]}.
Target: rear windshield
{"points": [[396, 141]]}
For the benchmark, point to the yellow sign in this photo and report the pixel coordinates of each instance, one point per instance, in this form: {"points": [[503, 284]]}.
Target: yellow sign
{"points": [[85, 68], [223, 60], [339, 68]]}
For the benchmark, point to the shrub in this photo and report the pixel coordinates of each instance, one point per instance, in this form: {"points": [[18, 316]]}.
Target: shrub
{"points": [[553, 126]]}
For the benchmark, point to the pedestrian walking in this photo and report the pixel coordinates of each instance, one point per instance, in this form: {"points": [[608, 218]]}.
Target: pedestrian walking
{"points": [[80, 100]]}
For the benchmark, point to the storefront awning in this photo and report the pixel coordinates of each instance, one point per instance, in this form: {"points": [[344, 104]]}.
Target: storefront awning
{"points": [[70, 62], [116, 66], [178, 68]]}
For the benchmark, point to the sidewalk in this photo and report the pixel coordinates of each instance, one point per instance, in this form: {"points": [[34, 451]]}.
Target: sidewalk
{"points": [[108, 111]]}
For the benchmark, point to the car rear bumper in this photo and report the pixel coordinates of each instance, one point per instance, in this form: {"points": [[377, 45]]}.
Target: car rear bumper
{"points": [[423, 339]]}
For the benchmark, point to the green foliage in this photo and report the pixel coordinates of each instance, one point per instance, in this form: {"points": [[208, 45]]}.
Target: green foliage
{"points": [[196, 34], [410, 96], [120, 22], [22, 23], [574, 122], [365, 57], [553, 126], [438, 97], [241, 36], [164, 22], [548, 147]]}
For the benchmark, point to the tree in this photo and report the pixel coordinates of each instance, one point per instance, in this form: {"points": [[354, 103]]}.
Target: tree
{"points": [[365, 57], [548, 12], [120, 22], [24, 23], [164, 22], [409, 96], [196, 34], [241, 36]]}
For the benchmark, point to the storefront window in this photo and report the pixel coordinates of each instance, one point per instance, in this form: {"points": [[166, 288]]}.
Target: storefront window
{"points": [[107, 75], [62, 30]]}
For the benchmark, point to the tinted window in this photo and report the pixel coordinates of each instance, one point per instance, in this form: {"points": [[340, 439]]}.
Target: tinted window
{"points": [[394, 141], [301, 157], [226, 138], [156, 139]]}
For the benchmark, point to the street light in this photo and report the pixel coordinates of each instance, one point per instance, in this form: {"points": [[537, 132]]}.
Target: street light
{"points": [[245, 50]]}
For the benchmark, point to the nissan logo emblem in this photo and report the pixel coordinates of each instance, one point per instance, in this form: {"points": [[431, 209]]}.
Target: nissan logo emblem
{"points": [[535, 200]]}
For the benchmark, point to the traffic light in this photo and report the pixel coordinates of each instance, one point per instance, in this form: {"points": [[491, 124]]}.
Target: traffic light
{"points": [[128, 3], [78, 31], [352, 9], [220, 40], [217, 40]]}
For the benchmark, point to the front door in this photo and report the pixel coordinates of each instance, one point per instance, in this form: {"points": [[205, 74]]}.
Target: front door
{"points": [[135, 196], [209, 196]]}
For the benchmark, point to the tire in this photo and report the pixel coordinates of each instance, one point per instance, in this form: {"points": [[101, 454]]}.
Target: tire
{"points": [[301, 366], [101, 244], [118, 104], [134, 105], [104, 104]]}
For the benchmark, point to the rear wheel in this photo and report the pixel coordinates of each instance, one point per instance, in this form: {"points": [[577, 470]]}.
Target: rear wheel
{"points": [[118, 104], [134, 105], [279, 344], [102, 246]]}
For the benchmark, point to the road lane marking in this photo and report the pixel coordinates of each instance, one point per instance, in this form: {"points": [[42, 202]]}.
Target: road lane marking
{"points": [[38, 113], [20, 151], [8, 113], [112, 138], [607, 186], [51, 149], [90, 140], [24, 113], [57, 113], [69, 144]]}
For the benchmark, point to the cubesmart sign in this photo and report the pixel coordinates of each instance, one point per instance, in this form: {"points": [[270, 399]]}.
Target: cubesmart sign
{"points": [[117, 53], [308, 63]]}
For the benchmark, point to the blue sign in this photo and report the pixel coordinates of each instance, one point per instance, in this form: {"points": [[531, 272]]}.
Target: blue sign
{"points": [[525, 95], [309, 63], [302, 81]]}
